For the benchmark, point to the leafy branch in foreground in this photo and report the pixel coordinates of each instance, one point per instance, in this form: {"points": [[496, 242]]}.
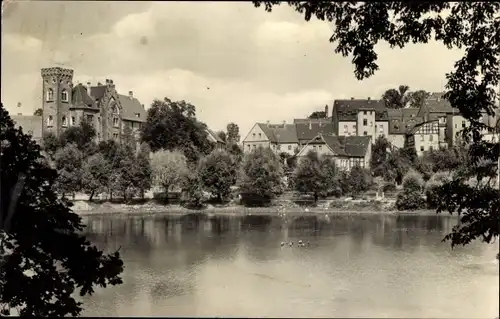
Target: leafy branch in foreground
{"points": [[44, 259], [472, 26]]}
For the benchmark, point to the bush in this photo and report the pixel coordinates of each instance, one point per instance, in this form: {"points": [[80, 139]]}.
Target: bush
{"points": [[413, 181], [409, 200], [389, 187], [432, 186]]}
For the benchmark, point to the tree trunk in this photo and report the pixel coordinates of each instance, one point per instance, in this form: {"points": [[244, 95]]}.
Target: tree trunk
{"points": [[91, 195], [315, 197]]}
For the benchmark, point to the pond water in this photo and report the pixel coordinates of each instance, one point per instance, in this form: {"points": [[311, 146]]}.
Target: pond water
{"points": [[352, 266]]}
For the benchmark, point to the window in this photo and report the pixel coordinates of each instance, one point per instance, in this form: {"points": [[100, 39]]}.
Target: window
{"points": [[364, 112], [463, 124], [371, 123], [115, 122], [64, 96], [64, 121], [365, 122], [381, 129], [50, 95], [319, 147], [289, 147], [260, 135], [279, 147], [73, 120], [314, 147], [421, 137], [455, 125], [253, 145], [365, 133], [50, 121], [248, 146], [253, 134], [138, 115], [115, 135], [442, 119], [421, 148], [430, 138], [354, 127], [90, 119]]}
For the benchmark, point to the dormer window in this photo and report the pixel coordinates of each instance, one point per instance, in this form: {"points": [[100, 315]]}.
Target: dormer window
{"points": [[115, 122], [50, 95], [64, 96], [50, 121], [138, 115], [64, 121]]}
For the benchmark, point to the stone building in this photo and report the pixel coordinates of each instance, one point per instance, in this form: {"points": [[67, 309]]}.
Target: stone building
{"points": [[64, 105]]}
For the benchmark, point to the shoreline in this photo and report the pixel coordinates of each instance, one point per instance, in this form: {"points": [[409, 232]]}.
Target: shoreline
{"points": [[241, 211]]}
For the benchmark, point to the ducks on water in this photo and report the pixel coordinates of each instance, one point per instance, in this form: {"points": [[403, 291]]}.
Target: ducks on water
{"points": [[300, 243]]}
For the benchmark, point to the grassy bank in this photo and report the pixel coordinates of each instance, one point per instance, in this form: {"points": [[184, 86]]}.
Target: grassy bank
{"points": [[281, 207]]}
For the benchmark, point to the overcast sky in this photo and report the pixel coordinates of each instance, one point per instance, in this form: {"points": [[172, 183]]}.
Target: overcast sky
{"points": [[232, 61]]}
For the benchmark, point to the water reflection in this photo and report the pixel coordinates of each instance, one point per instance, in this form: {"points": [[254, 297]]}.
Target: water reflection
{"points": [[353, 265]]}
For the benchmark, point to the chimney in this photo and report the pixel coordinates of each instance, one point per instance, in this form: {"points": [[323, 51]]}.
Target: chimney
{"points": [[369, 98], [352, 98], [310, 124], [130, 94], [326, 110], [107, 81], [88, 88], [268, 123], [99, 84]]}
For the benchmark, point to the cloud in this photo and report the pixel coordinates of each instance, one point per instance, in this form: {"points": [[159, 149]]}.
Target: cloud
{"points": [[258, 66]]}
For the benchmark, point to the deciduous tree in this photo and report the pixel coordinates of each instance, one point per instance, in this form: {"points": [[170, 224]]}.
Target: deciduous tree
{"points": [[44, 258], [233, 133], [397, 98], [262, 174], [218, 172], [169, 169], [95, 175], [68, 162], [38, 112]]}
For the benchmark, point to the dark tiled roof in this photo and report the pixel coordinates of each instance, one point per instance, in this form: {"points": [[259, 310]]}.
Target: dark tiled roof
{"points": [[131, 107], [285, 133], [440, 106], [268, 132], [308, 131], [31, 124], [347, 109], [402, 113], [80, 97], [98, 92], [351, 146]]}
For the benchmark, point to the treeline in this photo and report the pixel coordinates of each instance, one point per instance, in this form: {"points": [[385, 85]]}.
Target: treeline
{"points": [[107, 167]]}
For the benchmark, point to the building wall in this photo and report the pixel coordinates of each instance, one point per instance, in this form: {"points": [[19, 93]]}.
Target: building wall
{"points": [[288, 148], [347, 128], [382, 129], [426, 138], [254, 139], [368, 129], [397, 140], [322, 149]]}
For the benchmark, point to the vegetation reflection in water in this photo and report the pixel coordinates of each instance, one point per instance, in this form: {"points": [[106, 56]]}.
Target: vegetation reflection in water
{"points": [[353, 261]]}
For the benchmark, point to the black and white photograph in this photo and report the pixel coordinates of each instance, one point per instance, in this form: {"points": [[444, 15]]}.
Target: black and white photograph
{"points": [[258, 159]]}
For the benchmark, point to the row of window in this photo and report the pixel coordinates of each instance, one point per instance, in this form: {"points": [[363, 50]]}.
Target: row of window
{"points": [[422, 137], [278, 147], [64, 95], [346, 128], [90, 119], [260, 135]]}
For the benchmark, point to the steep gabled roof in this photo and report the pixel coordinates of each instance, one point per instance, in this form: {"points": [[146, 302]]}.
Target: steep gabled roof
{"points": [[415, 128], [402, 113], [132, 109], [308, 131], [402, 125], [350, 146], [80, 97], [214, 136], [267, 131], [285, 133]]}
